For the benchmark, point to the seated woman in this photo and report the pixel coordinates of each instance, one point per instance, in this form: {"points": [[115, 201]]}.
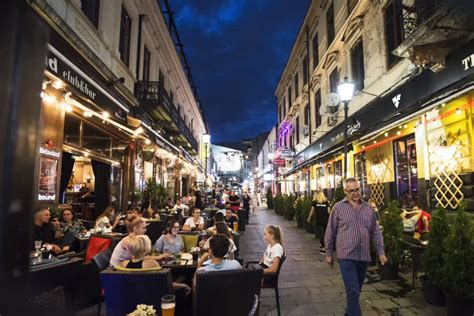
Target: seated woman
{"points": [[103, 221], [220, 228], [139, 247], [219, 218], [271, 259], [196, 222], [69, 223], [170, 242]]}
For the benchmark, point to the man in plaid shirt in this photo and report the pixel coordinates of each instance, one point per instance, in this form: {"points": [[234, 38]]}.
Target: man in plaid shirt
{"points": [[351, 227]]}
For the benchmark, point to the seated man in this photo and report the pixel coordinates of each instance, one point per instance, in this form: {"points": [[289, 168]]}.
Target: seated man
{"points": [[231, 218], [121, 253], [219, 218], [180, 208], [234, 199], [218, 248], [418, 222], [44, 231]]}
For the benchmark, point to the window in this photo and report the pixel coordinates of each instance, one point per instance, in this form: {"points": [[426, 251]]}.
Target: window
{"points": [[305, 69], [72, 130], [171, 96], [192, 124], [393, 29], [290, 99], [330, 23], [146, 65], [306, 115], [351, 4], [357, 65], [96, 139], [91, 9], [297, 91], [279, 113], [297, 130], [360, 171], [406, 171], [315, 51], [284, 107], [125, 36], [334, 80], [179, 109], [317, 106]]}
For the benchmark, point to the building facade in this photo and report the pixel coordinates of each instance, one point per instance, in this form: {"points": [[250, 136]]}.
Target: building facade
{"points": [[410, 120], [119, 106]]}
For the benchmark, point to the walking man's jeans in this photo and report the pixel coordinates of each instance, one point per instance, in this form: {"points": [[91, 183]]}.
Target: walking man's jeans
{"points": [[353, 275]]}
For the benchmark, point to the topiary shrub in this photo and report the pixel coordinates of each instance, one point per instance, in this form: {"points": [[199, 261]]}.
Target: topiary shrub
{"points": [[432, 259], [457, 273], [290, 207], [306, 210], [392, 224], [339, 195], [269, 196], [278, 202], [299, 212]]}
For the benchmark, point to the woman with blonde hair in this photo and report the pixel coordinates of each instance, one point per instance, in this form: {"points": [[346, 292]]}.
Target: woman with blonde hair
{"points": [[139, 246], [320, 206], [271, 259]]}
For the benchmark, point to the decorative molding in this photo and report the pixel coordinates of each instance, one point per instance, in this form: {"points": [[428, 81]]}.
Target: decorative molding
{"points": [[315, 82], [331, 58], [354, 25]]}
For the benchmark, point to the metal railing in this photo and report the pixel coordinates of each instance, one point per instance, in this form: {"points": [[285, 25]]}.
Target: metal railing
{"points": [[415, 15], [152, 93]]}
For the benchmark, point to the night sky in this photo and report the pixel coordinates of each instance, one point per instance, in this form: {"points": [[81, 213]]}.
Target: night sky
{"points": [[237, 50]]}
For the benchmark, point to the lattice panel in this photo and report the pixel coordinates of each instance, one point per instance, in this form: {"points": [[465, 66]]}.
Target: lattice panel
{"points": [[377, 174], [446, 161]]}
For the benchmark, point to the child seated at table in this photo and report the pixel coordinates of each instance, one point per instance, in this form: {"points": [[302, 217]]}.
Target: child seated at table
{"points": [[271, 259]]}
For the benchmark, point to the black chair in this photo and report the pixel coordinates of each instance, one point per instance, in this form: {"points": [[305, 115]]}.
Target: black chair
{"points": [[154, 230], [270, 281], [124, 290], [101, 261], [87, 224], [241, 295]]}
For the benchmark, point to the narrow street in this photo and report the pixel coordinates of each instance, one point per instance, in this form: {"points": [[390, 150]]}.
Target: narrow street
{"points": [[308, 286]]}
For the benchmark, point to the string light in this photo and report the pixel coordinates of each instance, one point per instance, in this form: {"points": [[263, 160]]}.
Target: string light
{"points": [[147, 141], [399, 133], [458, 111], [50, 99], [58, 84], [138, 131], [405, 126], [88, 114], [386, 134], [105, 115]]}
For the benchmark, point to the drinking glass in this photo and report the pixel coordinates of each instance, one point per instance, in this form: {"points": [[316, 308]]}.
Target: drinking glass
{"points": [[236, 226], [38, 245], [168, 304]]}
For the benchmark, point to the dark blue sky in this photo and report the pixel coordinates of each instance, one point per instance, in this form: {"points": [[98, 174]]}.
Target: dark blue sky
{"points": [[237, 50]]}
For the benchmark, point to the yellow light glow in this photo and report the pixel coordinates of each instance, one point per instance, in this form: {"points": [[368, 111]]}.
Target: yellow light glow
{"points": [[50, 99], [399, 133], [386, 134], [405, 126], [58, 84], [88, 114], [458, 111], [105, 115], [375, 142], [147, 141]]}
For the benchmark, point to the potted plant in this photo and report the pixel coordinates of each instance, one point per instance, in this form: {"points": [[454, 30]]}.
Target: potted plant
{"points": [[432, 259], [155, 194], [458, 268], [290, 207], [284, 205], [299, 212], [392, 230], [306, 210], [269, 197], [339, 195]]}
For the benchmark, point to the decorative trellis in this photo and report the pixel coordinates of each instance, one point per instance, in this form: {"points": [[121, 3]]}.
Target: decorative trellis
{"points": [[377, 174], [446, 166]]}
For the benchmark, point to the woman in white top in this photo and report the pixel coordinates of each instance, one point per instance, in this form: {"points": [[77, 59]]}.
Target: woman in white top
{"points": [[271, 259], [103, 221], [196, 222]]}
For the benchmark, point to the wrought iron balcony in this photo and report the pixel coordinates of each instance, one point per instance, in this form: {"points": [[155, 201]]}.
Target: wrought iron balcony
{"points": [[159, 106], [415, 15]]}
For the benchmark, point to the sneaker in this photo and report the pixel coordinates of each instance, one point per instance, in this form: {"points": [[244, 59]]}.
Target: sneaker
{"points": [[322, 251]]}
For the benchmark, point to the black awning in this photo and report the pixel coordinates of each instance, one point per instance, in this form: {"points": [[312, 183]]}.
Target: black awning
{"points": [[402, 101]]}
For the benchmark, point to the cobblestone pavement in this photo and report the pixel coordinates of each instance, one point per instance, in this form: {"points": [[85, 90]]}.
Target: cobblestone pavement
{"points": [[308, 286]]}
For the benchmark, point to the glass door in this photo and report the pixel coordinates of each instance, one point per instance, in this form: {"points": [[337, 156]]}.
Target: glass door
{"points": [[406, 171], [360, 172]]}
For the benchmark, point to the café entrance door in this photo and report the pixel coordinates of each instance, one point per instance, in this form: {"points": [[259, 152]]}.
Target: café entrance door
{"points": [[406, 171]]}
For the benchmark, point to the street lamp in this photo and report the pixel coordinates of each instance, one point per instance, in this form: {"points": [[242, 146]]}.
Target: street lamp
{"points": [[206, 139], [345, 91]]}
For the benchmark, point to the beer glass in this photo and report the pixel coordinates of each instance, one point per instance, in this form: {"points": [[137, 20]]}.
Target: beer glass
{"points": [[236, 226], [168, 304]]}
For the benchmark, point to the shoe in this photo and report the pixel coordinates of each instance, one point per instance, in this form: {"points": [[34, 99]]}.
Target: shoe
{"points": [[322, 251]]}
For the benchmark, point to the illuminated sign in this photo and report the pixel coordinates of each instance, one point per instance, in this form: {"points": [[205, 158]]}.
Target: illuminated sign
{"points": [[49, 152], [468, 62]]}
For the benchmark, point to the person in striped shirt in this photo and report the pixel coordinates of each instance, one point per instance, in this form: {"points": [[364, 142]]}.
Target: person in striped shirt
{"points": [[351, 226]]}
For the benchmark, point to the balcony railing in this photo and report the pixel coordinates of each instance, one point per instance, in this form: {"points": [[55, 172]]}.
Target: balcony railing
{"points": [[152, 93], [419, 12]]}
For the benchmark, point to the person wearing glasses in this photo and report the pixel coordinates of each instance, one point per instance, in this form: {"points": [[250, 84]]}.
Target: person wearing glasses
{"points": [[350, 228], [170, 241], [196, 222]]}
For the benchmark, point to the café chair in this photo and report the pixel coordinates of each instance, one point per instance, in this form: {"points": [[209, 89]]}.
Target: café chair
{"points": [[190, 241], [126, 288], [97, 244], [154, 230], [101, 261], [270, 280], [240, 297]]}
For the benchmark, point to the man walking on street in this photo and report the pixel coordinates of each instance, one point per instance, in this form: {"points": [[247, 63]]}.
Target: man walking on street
{"points": [[350, 228]]}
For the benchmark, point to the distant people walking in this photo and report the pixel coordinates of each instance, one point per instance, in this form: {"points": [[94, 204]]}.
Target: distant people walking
{"points": [[246, 205], [320, 210], [254, 202], [351, 227]]}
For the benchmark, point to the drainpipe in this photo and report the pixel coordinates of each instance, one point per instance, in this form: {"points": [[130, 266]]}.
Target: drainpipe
{"points": [[139, 46]]}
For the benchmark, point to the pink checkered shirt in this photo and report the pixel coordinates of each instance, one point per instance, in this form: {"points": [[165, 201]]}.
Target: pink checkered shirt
{"points": [[350, 229]]}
